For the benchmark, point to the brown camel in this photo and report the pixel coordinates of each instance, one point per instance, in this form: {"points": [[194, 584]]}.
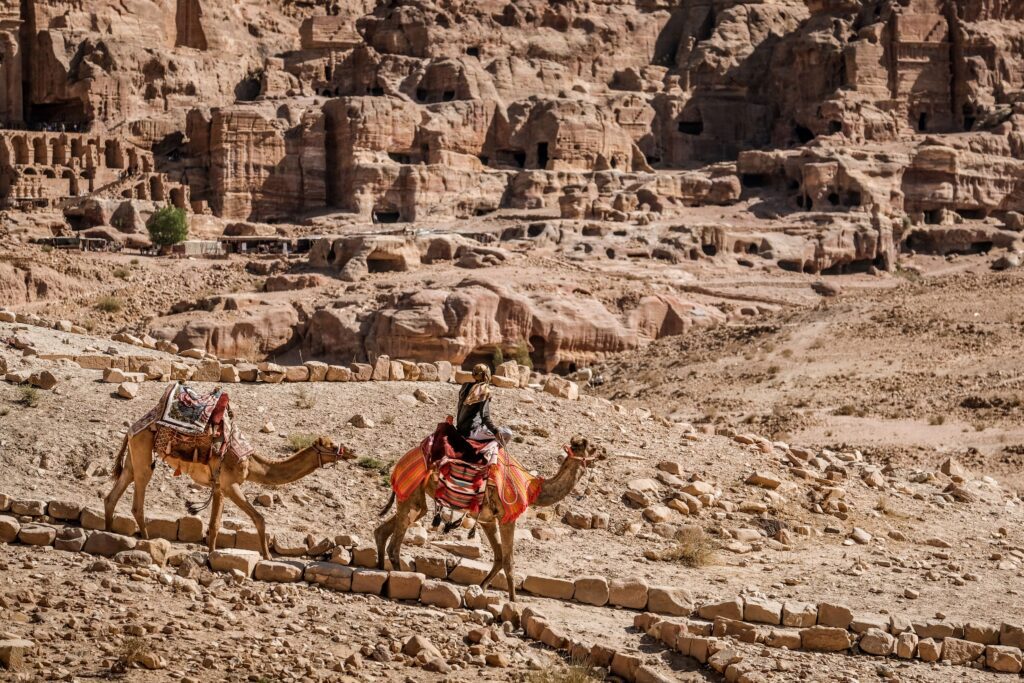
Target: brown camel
{"points": [[139, 465], [579, 456]]}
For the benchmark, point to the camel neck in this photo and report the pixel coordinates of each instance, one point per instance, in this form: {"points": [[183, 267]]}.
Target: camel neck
{"points": [[276, 472], [559, 486]]}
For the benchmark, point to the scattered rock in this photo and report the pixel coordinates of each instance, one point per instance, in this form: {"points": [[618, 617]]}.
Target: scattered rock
{"points": [[361, 421]]}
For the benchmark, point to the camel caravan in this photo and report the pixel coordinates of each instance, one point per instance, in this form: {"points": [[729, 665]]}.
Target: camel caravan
{"points": [[465, 467]]}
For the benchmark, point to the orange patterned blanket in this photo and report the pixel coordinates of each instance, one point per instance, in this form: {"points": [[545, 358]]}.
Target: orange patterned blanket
{"points": [[516, 487]]}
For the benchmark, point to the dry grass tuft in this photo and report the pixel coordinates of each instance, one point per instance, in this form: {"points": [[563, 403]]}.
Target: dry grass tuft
{"points": [[131, 650], [693, 549], [109, 304], [304, 398], [298, 441], [28, 396]]}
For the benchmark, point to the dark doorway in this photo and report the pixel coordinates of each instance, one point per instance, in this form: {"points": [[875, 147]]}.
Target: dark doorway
{"points": [[386, 216], [542, 155], [691, 127], [538, 353]]}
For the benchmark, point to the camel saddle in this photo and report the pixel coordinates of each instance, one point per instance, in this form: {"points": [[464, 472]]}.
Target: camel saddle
{"points": [[461, 466], [190, 412], [188, 423]]}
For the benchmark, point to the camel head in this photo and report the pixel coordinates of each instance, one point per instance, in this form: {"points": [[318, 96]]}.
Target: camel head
{"points": [[328, 453], [580, 449]]}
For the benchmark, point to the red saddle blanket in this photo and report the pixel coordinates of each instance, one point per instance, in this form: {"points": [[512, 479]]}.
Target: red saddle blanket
{"points": [[461, 485], [516, 488]]}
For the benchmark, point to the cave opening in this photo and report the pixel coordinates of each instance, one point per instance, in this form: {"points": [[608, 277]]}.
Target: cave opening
{"points": [[709, 249], [803, 134], [385, 264], [691, 127], [538, 352], [972, 214], [542, 155], [922, 122], [380, 216]]}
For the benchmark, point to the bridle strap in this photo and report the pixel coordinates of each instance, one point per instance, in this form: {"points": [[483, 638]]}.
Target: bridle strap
{"points": [[571, 455]]}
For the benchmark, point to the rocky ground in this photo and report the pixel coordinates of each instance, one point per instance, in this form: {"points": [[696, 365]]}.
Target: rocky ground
{"points": [[826, 476]]}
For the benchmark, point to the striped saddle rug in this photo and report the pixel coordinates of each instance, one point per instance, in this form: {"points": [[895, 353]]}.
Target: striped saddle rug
{"points": [[461, 485], [516, 487]]}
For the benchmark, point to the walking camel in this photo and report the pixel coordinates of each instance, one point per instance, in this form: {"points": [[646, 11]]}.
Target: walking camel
{"points": [[233, 472], [579, 456]]}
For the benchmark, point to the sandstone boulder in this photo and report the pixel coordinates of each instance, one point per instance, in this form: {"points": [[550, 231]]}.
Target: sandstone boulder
{"points": [[227, 560], [108, 544], [279, 571], [825, 639]]}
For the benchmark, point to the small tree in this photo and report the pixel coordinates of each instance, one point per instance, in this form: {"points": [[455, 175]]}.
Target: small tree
{"points": [[168, 226]]}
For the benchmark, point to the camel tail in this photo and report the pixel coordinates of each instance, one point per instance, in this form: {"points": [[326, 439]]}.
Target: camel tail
{"points": [[196, 508], [119, 459], [391, 501]]}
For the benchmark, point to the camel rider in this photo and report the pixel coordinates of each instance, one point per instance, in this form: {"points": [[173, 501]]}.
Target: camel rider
{"points": [[473, 421]]}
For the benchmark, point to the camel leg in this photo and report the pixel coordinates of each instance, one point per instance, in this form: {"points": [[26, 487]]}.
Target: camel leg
{"points": [[402, 524], [143, 473], [234, 492], [491, 532], [382, 533], [125, 478], [215, 509], [508, 545]]}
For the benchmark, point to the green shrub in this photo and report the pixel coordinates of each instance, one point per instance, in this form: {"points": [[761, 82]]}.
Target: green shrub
{"points": [[369, 463], [168, 226], [121, 273], [523, 355], [497, 358]]}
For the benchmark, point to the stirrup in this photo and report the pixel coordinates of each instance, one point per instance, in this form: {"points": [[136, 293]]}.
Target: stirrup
{"points": [[436, 522]]}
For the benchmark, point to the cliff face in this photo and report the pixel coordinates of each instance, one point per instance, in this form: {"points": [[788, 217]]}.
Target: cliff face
{"points": [[403, 109]]}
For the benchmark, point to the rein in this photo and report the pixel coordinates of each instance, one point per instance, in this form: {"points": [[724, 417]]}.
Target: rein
{"points": [[320, 456]]}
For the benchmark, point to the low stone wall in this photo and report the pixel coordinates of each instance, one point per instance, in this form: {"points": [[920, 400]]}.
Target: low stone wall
{"points": [[698, 632], [197, 366]]}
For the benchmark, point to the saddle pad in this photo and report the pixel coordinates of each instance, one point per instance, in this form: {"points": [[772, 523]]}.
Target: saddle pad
{"points": [[461, 485], [153, 415], [238, 448], [408, 473], [517, 488], [189, 411]]}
